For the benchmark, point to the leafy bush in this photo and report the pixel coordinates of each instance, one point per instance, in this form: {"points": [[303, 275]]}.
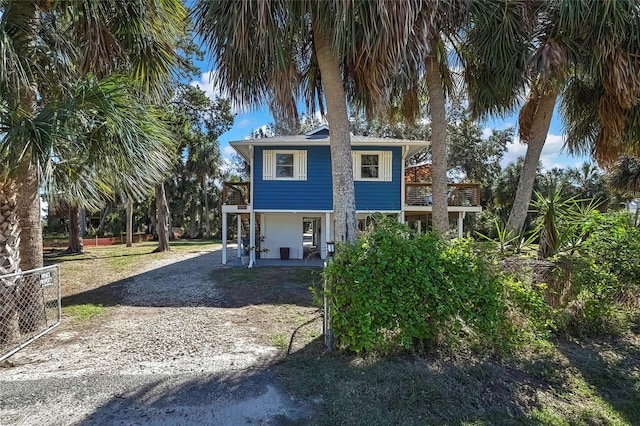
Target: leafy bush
{"points": [[605, 275], [396, 288]]}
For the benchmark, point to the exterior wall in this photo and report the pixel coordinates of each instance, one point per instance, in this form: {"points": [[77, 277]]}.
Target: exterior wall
{"points": [[285, 230], [315, 193], [383, 196]]}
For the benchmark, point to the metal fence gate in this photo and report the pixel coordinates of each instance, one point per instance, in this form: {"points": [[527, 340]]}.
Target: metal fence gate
{"points": [[29, 307]]}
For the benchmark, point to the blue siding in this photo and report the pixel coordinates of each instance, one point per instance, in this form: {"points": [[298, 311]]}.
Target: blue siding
{"points": [[378, 196], [316, 193]]}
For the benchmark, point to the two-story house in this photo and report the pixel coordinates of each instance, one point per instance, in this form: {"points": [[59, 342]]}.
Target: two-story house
{"points": [[288, 201]]}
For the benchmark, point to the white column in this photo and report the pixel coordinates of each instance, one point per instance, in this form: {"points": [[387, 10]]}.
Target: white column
{"points": [[239, 223], [252, 235], [224, 238], [460, 219], [327, 234]]}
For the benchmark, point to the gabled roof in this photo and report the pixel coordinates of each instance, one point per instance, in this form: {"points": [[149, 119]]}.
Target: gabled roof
{"points": [[320, 137]]}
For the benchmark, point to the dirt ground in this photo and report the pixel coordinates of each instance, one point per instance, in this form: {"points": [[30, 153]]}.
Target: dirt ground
{"points": [[184, 341]]}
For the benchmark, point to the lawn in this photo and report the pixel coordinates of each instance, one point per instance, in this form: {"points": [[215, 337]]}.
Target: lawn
{"points": [[588, 381]]}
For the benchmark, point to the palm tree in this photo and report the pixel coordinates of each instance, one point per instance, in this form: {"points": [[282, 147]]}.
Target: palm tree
{"points": [[44, 116], [587, 53], [625, 175], [268, 51], [39, 56]]}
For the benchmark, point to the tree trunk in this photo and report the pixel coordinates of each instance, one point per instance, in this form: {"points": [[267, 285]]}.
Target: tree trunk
{"points": [[541, 121], [129, 229], [28, 206], [344, 201], [207, 225], [438, 146], [75, 231], [103, 220], [9, 262], [162, 213], [193, 224], [28, 202]]}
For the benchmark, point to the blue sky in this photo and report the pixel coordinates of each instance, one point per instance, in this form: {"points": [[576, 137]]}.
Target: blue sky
{"points": [[553, 154]]}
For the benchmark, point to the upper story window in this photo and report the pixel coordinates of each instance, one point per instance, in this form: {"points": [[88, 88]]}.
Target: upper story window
{"points": [[369, 166], [284, 164], [372, 165]]}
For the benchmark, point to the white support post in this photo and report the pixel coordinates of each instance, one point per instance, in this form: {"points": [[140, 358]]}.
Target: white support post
{"points": [[239, 233], [252, 236], [224, 238], [327, 233], [460, 224]]}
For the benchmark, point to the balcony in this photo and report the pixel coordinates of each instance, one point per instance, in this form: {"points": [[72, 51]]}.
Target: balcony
{"points": [[460, 196], [236, 196]]}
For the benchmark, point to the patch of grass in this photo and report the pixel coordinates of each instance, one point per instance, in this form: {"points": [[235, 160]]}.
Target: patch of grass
{"points": [[279, 341], [566, 384], [266, 285], [83, 313]]}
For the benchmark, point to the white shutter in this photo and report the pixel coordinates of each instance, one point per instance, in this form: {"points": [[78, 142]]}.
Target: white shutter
{"points": [[268, 165], [300, 168], [355, 160], [386, 166]]}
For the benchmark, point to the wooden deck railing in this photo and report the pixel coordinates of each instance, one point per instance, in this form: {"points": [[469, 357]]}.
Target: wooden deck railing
{"points": [[236, 193], [459, 194]]}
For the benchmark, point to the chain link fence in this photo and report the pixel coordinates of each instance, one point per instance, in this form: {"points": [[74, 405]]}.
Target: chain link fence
{"points": [[29, 307]]}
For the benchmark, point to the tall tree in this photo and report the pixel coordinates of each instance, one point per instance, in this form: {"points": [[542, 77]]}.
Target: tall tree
{"points": [[486, 38], [588, 54], [54, 57], [40, 57], [316, 48]]}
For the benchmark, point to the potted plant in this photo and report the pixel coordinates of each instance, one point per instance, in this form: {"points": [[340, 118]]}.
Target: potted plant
{"points": [[247, 249]]}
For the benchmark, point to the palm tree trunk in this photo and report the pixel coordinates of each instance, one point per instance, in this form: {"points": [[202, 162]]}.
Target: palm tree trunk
{"points": [[75, 231], [129, 226], [103, 220], [28, 204], [194, 229], [9, 262], [344, 201], [438, 145], [541, 121], [207, 225], [162, 212], [31, 315]]}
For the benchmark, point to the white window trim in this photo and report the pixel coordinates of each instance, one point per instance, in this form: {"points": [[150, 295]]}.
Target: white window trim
{"points": [[269, 164], [385, 165]]}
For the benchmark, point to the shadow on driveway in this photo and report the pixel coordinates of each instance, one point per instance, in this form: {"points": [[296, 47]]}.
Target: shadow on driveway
{"points": [[201, 281]]}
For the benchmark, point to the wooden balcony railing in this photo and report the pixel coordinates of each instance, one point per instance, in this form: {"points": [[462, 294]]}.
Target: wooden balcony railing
{"points": [[459, 194], [236, 193]]}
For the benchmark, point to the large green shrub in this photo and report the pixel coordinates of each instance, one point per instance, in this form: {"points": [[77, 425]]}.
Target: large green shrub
{"points": [[396, 288], [605, 274]]}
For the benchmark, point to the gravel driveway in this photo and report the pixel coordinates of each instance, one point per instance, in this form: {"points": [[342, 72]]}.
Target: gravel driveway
{"points": [[170, 352]]}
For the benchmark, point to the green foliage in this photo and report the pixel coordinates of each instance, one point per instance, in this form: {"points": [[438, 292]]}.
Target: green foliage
{"points": [[605, 274], [395, 288], [84, 312], [505, 243]]}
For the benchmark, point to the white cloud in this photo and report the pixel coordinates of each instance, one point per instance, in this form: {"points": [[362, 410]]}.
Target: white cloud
{"points": [[228, 151], [245, 122], [553, 154], [211, 87], [208, 84]]}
